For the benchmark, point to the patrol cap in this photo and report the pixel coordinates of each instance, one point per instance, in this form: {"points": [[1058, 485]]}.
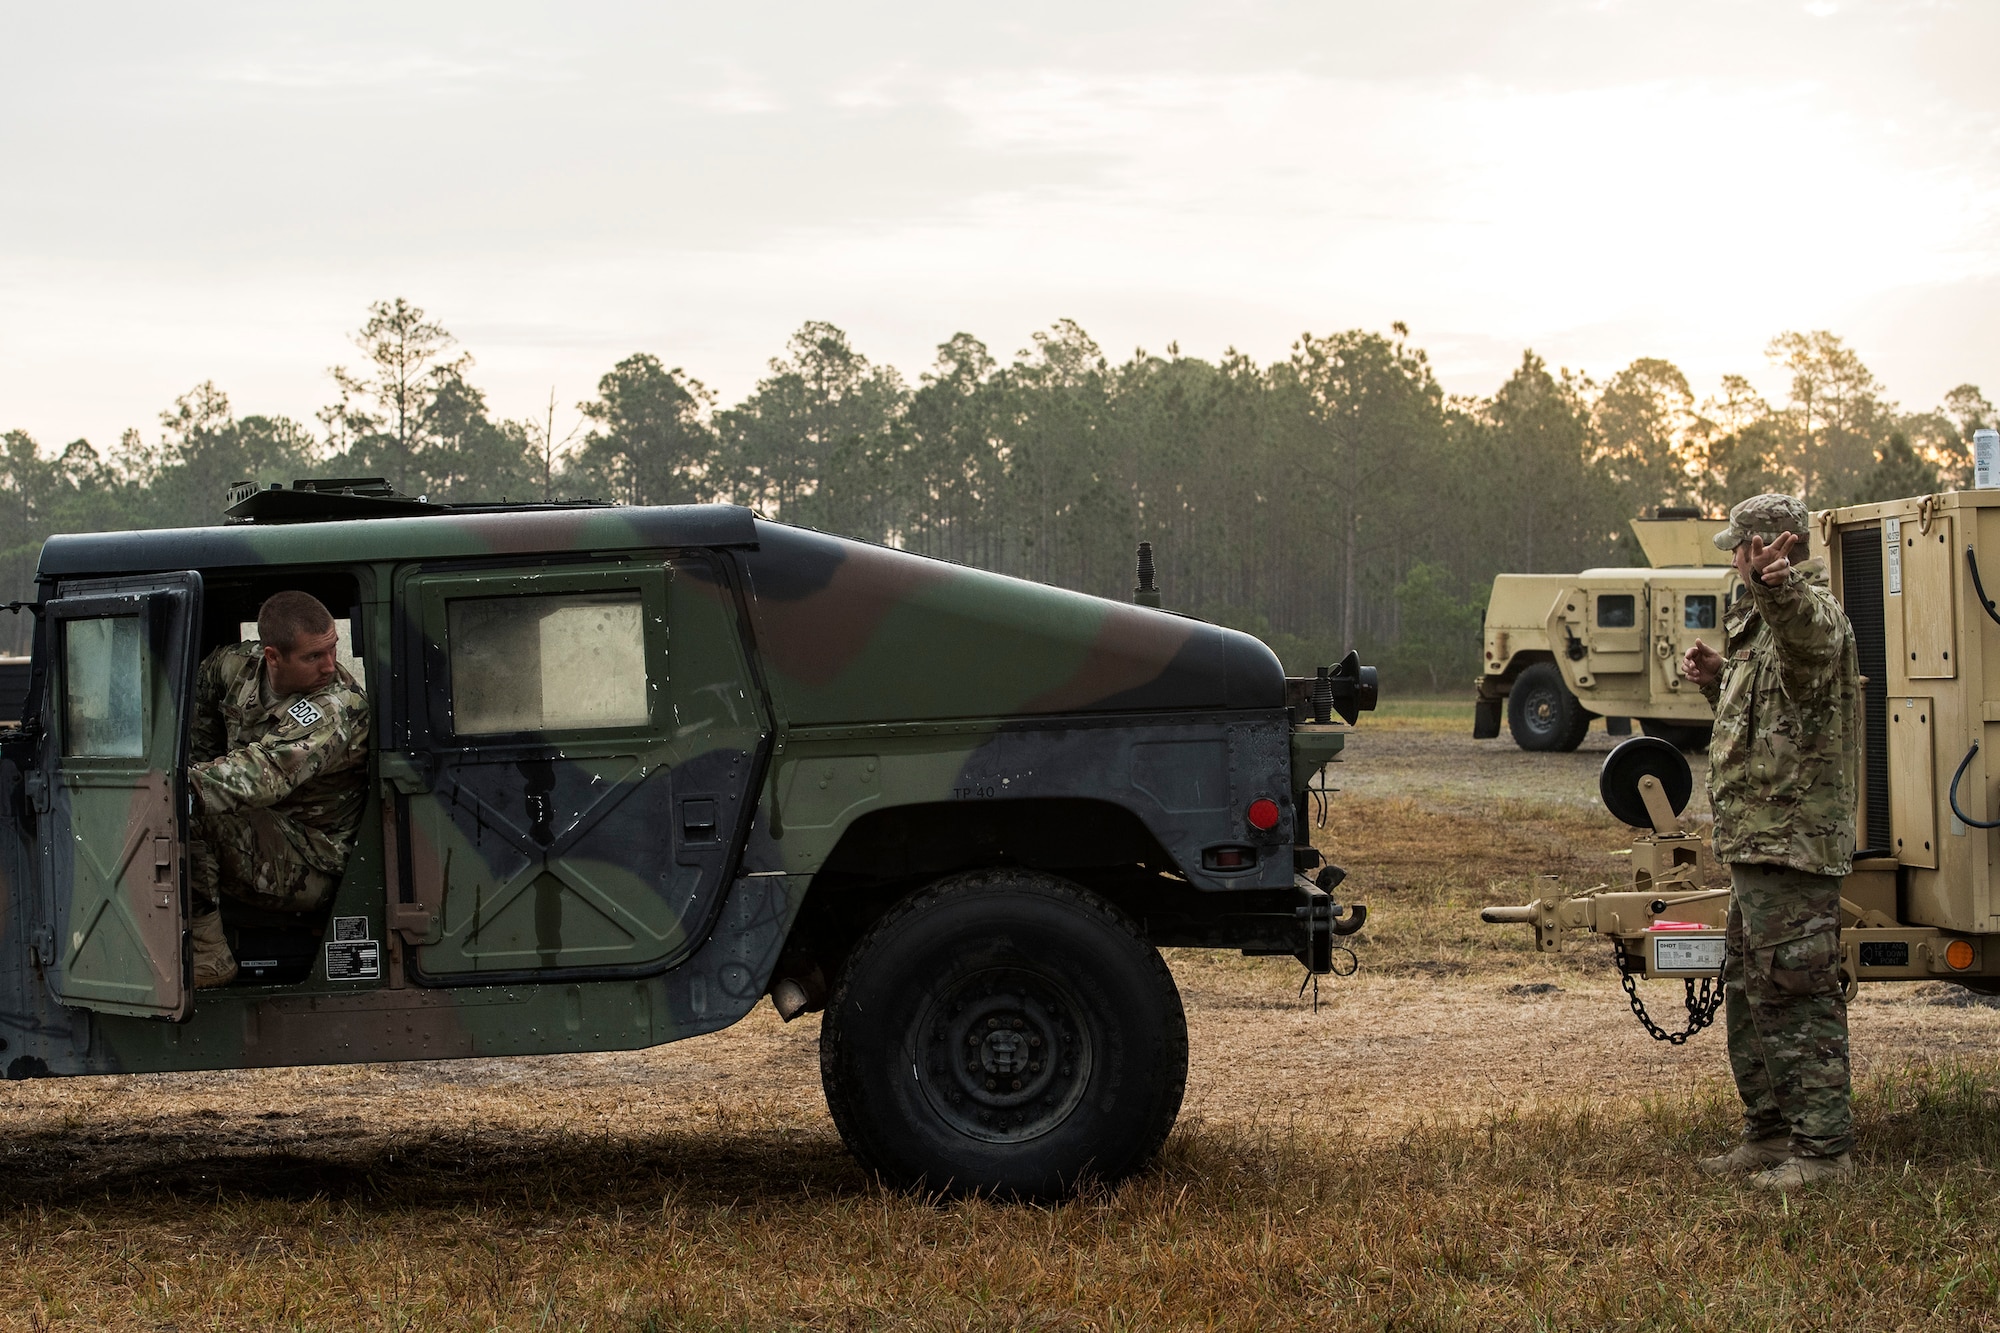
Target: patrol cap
{"points": [[1763, 516]]}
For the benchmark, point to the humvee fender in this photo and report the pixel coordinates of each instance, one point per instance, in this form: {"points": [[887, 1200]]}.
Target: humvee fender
{"points": [[634, 769]]}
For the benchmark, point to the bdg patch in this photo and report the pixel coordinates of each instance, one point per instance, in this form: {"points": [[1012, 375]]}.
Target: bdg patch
{"points": [[304, 713]]}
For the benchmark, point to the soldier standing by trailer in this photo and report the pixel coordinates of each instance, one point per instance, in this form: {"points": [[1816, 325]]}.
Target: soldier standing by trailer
{"points": [[279, 750], [1782, 774]]}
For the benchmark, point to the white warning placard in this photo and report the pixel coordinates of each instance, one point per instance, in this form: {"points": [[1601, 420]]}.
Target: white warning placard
{"points": [[1692, 954]]}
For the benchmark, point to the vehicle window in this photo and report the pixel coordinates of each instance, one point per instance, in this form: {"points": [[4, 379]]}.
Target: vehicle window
{"points": [[343, 650], [1615, 610], [103, 689], [1700, 611], [563, 662]]}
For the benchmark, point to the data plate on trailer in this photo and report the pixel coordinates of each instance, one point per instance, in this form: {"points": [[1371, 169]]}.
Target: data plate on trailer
{"points": [[1688, 955]]}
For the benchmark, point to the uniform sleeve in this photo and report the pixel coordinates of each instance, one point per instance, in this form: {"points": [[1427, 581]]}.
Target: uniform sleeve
{"points": [[1713, 691], [1807, 629], [266, 771], [207, 733]]}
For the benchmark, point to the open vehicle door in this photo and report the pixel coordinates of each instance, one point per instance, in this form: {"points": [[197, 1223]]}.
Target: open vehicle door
{"points": [[111, 796]]}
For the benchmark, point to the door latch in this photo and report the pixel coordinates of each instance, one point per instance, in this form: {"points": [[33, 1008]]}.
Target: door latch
{"points": [[410, 771], [698, 820], [416, 923]]}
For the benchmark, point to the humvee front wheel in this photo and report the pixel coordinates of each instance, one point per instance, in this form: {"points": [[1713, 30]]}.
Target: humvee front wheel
{"points": [[1543, 714], [1004, 1032]]}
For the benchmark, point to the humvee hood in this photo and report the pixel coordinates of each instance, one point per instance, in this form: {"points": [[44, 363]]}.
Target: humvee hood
{"points": [[857, 633]]}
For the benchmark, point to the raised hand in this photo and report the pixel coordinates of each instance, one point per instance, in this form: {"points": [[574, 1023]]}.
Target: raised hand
{"points": [[1701, 664], [1773, 564]]}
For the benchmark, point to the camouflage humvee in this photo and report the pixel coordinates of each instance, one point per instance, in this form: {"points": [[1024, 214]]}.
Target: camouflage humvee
{"points": [[958, 811]]}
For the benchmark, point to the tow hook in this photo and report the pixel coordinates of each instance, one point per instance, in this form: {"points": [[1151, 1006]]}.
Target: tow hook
{"points": [[1325, 919]]}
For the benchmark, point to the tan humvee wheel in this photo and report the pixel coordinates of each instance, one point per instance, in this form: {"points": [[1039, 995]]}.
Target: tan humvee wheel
{"points": [[1542, 713]]}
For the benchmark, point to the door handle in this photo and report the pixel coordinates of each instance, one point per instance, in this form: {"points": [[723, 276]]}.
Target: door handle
{"points": [[163, 857], [698, 820]]}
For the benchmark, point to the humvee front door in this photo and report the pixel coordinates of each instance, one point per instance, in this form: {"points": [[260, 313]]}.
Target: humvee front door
{"points": [[576, 779], [110, 793]]}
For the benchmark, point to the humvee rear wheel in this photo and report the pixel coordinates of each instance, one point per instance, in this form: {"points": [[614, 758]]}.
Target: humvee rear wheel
{"points": [[1542, 713], [1004, 1032]]}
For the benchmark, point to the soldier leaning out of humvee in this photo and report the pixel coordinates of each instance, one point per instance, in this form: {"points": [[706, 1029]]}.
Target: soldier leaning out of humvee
{"points": [[278, 756]]}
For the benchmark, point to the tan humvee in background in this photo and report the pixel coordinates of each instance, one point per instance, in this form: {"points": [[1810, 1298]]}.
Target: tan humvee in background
{"points": [[1918, 579], [1561, 649]]}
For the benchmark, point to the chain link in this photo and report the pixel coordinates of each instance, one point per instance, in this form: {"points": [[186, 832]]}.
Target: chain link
{"points": [[1702, 1005]]}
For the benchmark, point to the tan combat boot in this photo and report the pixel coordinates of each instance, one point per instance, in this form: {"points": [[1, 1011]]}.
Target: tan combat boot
{"points": [[214, 965], [1800, 1172], [1748, 1156]]}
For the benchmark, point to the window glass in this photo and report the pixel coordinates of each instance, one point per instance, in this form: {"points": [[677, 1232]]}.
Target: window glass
{"points": [[1615, 611], [343, 650], [103, 689], [562, 662], [1700, 612]]}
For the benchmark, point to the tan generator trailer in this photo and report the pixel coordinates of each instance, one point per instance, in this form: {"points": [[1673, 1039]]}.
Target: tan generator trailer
{"points": [[1561, 649], [1923, 900]]}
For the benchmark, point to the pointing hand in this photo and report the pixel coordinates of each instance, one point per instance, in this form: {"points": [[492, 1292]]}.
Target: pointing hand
{"points": [[1701, 664]]}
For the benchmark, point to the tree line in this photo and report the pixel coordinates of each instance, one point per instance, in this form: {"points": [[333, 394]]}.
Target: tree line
{"points": [[1336, 497]]}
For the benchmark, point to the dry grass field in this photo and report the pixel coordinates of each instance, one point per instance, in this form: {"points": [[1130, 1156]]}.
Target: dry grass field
{"points": [[1464, 1135]]}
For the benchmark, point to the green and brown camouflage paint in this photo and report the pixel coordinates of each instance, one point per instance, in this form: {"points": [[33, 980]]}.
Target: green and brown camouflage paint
{"points": [[592, 891]]}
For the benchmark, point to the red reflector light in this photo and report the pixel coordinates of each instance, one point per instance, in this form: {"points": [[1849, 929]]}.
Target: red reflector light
{"points": [[1958, 955], [1263, 814]]}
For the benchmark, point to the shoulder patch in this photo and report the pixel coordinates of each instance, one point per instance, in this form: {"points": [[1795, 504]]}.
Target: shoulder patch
{"points": [[304, 713]]}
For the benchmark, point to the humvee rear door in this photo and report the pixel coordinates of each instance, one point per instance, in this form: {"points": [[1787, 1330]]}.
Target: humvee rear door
{"points": [[575, 786], [111, 792], [1682, 614]]}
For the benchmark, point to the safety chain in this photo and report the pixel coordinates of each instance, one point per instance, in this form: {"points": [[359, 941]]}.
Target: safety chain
{"points": [[1702, 1007], [1338, 969]]}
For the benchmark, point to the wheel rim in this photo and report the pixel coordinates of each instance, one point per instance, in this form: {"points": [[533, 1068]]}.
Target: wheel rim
{"points": [[1003, 1056], [1540, 711]]}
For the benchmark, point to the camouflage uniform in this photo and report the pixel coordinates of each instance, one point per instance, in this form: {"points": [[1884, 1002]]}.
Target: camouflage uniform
{"points": [[1782, 781], [279, 783]]}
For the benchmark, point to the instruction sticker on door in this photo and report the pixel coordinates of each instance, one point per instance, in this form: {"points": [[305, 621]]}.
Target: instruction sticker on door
{"points": [[350, 954], [1701, 954], [1892, 543]]}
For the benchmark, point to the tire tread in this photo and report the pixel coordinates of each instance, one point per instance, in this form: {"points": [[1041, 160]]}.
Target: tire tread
{"points": [[844, 1099]]}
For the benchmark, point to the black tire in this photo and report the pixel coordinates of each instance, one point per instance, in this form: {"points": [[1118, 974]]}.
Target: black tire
{"points": [[927, 1051], [1690, 736], [1543, 714]]}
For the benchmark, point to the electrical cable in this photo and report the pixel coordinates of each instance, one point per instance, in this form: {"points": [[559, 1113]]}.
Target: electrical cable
{"points": [[1957, 813]]}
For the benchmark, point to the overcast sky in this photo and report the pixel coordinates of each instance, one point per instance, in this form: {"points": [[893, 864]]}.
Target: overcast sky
{"points": [[207, 191]]}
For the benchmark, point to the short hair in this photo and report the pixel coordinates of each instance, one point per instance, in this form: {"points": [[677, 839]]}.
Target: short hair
{"points": [[286, 616]]}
